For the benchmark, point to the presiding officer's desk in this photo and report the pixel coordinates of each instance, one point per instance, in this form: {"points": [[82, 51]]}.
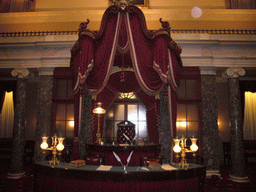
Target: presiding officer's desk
{"points": [[123, 152], [64, 177]]}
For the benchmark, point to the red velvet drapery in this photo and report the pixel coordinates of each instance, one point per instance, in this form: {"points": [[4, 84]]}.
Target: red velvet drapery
{"points": [[124, 41], [152, 106], [6, 86]]}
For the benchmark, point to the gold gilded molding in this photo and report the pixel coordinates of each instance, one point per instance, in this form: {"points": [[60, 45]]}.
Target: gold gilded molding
{"points": [[139, 3]]}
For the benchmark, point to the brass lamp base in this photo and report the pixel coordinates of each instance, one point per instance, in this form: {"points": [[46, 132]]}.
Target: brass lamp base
{"points": [[183, 163], [54, 162], [98, 136]]}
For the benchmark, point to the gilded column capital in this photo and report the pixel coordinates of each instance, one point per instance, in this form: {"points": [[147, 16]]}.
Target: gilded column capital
{"points": [[234, 72], [20, 73]]}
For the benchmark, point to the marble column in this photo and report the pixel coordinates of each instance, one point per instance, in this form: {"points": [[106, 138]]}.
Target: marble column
{"points": [[212, 145], [44, 111], [164, 130], [236, 133], [17, 165], [85, 135]]}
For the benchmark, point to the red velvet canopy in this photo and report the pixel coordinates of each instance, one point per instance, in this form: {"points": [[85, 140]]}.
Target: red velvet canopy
{"points": [[147, 60]]}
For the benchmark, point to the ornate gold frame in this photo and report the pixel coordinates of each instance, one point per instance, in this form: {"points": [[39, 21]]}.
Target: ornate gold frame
{"points": [[139, 3]]}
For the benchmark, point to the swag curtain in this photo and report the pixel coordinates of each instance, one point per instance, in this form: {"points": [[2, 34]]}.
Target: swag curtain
{"points": [[6, 86], [152, 60], [248, 97], [6, 117], [92, 62], [105, 49], [152, 54], [152, 114], [249, 116]]}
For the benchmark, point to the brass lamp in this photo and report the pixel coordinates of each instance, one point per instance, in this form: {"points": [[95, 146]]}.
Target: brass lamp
{"points": [[180, 147], [99, 110], [56, 148]]}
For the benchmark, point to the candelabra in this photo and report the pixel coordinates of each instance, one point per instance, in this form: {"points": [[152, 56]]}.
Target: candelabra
{"points": [[56, 148], [180, 147]]}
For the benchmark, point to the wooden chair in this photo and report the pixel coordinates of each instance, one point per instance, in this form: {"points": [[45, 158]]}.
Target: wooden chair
{"points": [[94, 160], [29, 151], [127, 128]]}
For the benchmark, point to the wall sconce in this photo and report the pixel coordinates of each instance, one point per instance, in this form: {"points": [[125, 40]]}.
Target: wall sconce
{"points": [[180, 147], [99, 110], [57, 145]]}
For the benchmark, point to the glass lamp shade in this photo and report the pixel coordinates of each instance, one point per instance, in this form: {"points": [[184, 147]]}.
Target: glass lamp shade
{"points": [[176, 147], [99, 109], [60, 145], [44, 144], [193, 147]]}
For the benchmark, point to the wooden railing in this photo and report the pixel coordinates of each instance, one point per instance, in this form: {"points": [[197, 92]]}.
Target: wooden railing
{"points": [[184, 31]]}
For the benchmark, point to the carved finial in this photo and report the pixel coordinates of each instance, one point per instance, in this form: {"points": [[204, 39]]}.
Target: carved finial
{"points": [[173, 45], [83, 26], [165, 24]]}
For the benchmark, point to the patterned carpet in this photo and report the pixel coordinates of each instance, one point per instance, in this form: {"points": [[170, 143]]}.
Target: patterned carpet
{"points": [[211, 185]]}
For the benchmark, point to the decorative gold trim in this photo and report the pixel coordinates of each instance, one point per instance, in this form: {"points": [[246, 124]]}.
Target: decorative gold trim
{"points": [[177, 31], [143, 4]]}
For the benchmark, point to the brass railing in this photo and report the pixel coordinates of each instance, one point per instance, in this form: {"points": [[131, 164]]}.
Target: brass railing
{"points": [[188, 31]]}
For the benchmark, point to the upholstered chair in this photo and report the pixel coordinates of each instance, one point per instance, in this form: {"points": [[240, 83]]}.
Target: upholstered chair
{"points": [[127, 128]]}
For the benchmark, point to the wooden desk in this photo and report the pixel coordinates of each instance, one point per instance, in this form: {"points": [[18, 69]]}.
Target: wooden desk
{"points": [[64, 177], [123, 152]]}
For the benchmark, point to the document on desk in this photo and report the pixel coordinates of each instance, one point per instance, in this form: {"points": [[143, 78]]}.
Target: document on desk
{"points": [[168, 167], [104, 168]]}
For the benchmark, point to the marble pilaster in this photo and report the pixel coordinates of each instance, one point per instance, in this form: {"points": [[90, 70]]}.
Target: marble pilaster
{"points": [[17, 165], [44, 113], [236, 133], [85, 135], [212, 146], [164, 130]]}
